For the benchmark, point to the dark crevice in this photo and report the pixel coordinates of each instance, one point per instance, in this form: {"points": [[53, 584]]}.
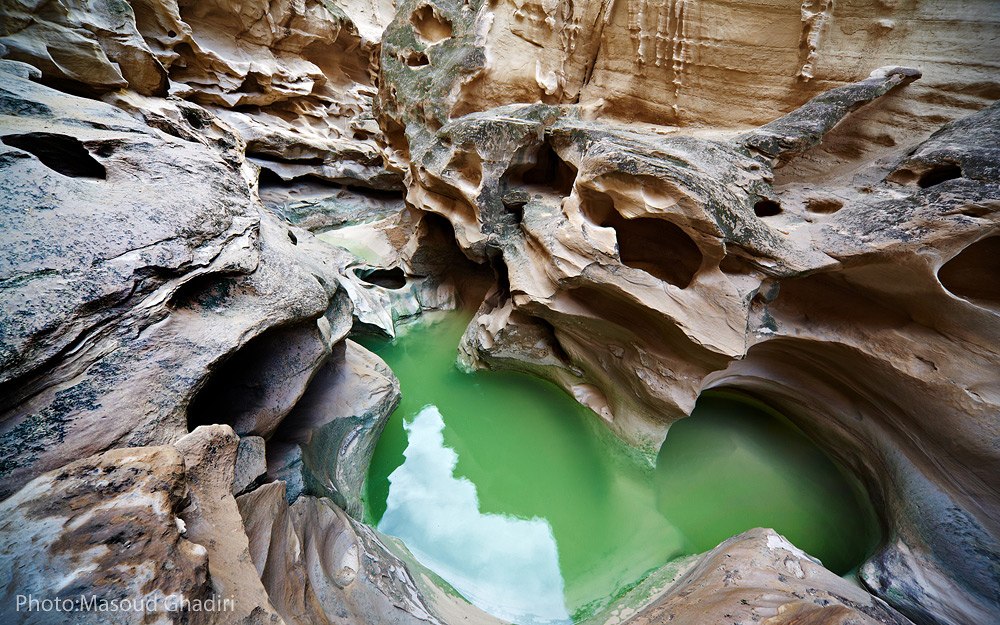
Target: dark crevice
{"points": [[413, 58], [60, 153], [208, 291], [388, 194], [386, 278], [251, 382], [274, 158], [766, 208], [269, 179], [557, 349], [500, 293], [938, 174]]}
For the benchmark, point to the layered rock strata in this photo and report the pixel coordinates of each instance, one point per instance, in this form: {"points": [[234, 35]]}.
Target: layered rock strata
{"points": [[660, 198]]}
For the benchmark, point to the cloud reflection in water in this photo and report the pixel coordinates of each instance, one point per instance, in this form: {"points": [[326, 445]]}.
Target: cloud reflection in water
{"points": [[506, 566]]}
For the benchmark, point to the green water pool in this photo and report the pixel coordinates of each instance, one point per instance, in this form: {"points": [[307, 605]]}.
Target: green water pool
{"points": [[518, 497]]}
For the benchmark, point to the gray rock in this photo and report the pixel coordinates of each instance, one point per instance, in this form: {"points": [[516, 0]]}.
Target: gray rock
{"points": [[251, 464], [137, 266], [337, 424]]}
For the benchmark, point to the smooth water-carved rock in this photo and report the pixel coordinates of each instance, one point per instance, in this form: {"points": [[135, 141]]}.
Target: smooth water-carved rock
{"points": [[338, 422], [760, 577], [755, 227], [124, 295], [213, 519], [318, 568]]}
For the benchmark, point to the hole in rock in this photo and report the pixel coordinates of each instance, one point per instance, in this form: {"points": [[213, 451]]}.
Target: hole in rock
{"points": [[211, 291], [386, 278], [823, 205], [550, 173], [938, 174], [267, 179], [413, 58], [521, 499], [974, 274], [656, 246], [766, 208], [429, 26], [60, 153]]}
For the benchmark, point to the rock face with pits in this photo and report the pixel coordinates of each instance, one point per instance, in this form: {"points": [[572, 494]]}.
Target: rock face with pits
{"points": [[760, 577], [138, 260], [796, 201], [832, 262]]}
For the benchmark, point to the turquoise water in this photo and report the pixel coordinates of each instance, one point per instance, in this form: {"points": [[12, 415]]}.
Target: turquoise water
{"points": [[516, 495]]}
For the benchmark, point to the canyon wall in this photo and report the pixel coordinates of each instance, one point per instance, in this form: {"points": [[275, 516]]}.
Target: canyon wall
{"points": [[794, 201]]}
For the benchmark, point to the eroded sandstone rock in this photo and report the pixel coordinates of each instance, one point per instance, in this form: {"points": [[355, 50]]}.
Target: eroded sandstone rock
{"points": [[138, 265], [337, 424], [104, 528], [637, 266], [841, 269], [758, 577], [318, 568]]}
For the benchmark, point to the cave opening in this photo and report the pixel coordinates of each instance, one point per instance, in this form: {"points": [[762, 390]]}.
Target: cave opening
{"points": [[393, 278], [258, 384], [414, 58], [766, 208], [548, 173], [429, 26], [656, 246]]}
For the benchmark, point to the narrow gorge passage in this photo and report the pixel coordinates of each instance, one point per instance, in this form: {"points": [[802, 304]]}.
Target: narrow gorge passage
{"points": [[512, 492]]}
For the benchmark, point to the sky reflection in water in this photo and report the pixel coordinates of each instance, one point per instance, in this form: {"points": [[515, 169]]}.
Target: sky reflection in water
{"points": [[507, 566]]}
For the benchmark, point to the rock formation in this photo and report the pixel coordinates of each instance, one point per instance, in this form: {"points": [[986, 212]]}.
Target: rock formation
{"points": [[795, 201]]}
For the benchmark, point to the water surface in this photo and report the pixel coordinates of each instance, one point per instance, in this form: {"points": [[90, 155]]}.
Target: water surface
{"points": [[518, 497]]}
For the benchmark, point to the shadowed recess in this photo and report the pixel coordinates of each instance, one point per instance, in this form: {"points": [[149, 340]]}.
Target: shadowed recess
{"points": [[656, 246], [974, 273], [60, 153], [429, 26]]}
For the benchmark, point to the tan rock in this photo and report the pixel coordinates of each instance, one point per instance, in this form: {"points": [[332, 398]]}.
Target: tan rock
{"points": [[319, 567], [102, 529], [213, 520], [758, 577]]}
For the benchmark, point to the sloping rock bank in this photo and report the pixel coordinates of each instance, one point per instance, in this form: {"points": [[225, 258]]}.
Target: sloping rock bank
{"points": [[184, 425]]}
